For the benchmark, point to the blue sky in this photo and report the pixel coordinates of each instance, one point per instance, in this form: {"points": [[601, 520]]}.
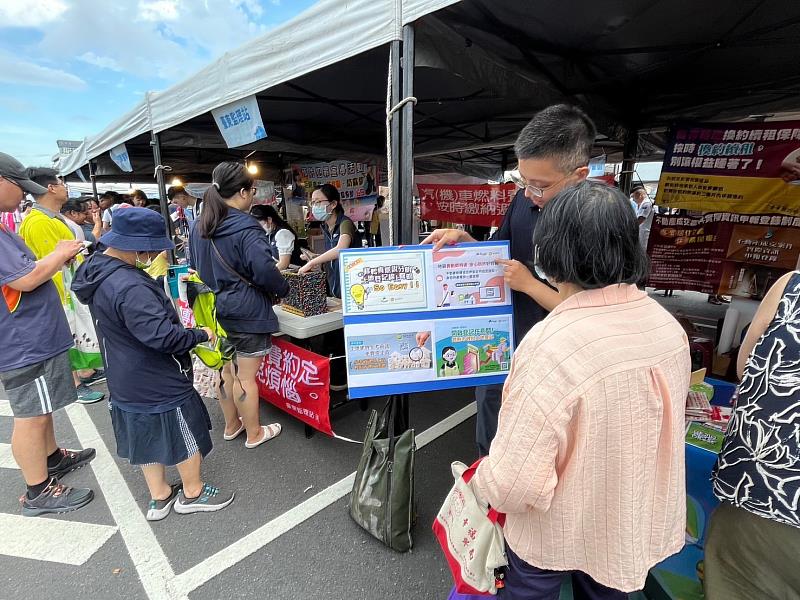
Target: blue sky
{"points": [[70, 67]]}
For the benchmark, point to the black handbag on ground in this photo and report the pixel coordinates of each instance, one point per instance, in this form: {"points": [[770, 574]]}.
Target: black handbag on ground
{"points": [[382, 501]]}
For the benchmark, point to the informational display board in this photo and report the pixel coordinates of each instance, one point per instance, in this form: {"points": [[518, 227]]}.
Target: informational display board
{"points": [[722, 253], [418, 320]]}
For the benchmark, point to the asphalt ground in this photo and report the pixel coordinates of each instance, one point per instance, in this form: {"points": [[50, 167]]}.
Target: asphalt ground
{"points": [[287, 535], [323, 556]]}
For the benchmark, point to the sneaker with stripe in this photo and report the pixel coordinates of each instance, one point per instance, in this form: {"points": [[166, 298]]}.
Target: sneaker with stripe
{"points": [[211, 499], [159, 509]]}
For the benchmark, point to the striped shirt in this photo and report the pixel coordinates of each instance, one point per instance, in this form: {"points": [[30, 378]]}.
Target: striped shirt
{"points": [[588, 461]]}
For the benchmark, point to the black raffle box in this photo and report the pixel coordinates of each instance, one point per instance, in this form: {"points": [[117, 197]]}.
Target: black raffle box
{"points": [[307, 293]]}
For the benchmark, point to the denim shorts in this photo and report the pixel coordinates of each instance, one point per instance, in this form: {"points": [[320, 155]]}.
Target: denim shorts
{"points": [[250, 345]]}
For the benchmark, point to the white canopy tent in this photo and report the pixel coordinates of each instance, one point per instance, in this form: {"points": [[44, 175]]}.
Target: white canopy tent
{"points": [[332, 31], [481, 68]]}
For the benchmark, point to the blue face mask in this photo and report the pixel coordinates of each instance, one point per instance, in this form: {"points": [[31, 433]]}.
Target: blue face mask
{"points": [[320, 212]]}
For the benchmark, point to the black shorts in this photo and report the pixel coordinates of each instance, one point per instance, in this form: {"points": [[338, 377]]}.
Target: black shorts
{"points": [[250, 345]]}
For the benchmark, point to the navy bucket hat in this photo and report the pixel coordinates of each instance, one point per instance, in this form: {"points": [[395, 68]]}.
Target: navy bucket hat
{"points": [[137, 230]]}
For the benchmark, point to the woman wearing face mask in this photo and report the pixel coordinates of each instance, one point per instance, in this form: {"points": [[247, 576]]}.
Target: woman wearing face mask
{"points": [[340, 233], [281, 237], [159, 419], [227, 249]]}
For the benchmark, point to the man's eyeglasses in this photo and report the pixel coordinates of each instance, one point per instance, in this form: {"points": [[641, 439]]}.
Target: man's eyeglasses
{"points": [[536, 192]]}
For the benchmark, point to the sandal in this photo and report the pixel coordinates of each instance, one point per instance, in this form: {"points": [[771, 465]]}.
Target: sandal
{"points": [[271, 431], [235, 434]]}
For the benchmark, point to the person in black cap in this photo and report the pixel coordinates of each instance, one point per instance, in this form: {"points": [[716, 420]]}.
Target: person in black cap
{"points": [[35, 371], [159, 419]]}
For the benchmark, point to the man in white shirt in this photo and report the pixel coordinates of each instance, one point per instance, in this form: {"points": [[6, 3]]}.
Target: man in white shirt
{"points": [[644, 213]]}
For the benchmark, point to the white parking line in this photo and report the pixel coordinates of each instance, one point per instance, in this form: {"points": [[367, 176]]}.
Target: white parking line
{"points": [[212, 566], [7, 458], [146, 554], [5, 409], [32, 538]]}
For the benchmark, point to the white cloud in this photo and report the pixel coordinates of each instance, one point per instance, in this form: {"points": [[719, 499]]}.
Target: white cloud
{"points": [[164, 39], [20, 72], [158, 10], [104, 62], [34, 13]]}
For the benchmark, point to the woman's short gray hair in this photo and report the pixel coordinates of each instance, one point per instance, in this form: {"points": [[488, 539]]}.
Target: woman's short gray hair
{"points": [[588, 236]]}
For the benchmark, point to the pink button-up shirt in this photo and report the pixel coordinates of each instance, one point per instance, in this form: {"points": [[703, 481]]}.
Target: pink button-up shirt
{"points": [[588, 461]]}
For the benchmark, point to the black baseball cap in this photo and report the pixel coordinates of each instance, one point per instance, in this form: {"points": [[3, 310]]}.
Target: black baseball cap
{"points": [[12, 169]]}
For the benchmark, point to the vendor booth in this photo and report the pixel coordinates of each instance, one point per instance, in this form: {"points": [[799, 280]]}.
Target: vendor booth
{"points": [[429, 87]]}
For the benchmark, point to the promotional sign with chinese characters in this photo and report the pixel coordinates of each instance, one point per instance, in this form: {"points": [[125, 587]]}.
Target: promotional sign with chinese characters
{"points": [[419, 320], [297, 381], [353, 180], [240, 122], [722, 253], [748, 168], [467, 204]]}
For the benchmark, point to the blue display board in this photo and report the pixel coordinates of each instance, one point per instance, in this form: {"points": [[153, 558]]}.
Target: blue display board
{"points": [[417, 320]]}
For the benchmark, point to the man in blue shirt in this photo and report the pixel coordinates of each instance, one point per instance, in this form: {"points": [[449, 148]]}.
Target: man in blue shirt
{"points": [[35, 371], [553, 151]]}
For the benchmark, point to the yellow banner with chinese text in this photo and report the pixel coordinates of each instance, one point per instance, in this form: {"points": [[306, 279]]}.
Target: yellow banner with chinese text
{"points": [[722, 193]]}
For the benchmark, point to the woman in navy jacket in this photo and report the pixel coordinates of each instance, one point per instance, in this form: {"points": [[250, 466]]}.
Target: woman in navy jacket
{"points": [[232, 256], [159, 419]]}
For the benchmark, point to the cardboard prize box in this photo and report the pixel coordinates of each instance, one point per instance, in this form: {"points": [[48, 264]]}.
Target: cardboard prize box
{"points": [[307, 293]]}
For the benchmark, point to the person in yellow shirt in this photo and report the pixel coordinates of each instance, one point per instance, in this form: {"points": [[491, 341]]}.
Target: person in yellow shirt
{"points": [[42, 230]]}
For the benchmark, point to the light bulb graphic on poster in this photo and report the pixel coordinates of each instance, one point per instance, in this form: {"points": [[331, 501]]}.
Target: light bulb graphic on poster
{"points": [[384, 282]]}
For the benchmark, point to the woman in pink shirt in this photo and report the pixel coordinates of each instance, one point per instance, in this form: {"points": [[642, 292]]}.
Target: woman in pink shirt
{"points": [[588, 461]]}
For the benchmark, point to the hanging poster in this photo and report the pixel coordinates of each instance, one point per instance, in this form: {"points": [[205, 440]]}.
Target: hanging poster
{"points": [[418, 320], [240, 122], [353, 180], [468, 204], [749, 168], [360, 209], [722, 253], [119, 154], [298, 382]]}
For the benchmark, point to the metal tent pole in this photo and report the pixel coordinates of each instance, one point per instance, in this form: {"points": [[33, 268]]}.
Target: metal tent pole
{"points": [[94, 181], [394, 131], [629, 161], [406, 166], [162, 190]]}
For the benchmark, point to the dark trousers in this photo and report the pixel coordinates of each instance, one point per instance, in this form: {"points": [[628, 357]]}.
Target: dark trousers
{"points": [[526, 582], [487, 398]]}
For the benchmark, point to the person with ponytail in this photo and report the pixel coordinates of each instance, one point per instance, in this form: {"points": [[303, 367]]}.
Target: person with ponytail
{"points": [[280, 235], [232, 256], [340, 233]]}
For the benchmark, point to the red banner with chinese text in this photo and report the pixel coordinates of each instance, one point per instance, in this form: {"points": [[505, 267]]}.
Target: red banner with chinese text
{"points": [[748, 168], [722, 253], [467, 204], [298, 382]]}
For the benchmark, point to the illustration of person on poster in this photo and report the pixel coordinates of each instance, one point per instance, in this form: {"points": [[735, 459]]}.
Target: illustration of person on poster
{"points": [[449, 367]]}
